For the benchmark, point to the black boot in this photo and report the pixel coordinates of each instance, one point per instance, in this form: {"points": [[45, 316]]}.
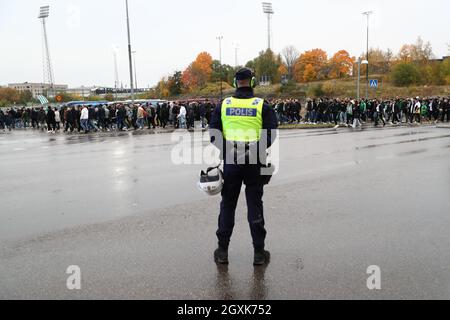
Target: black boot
{"points": [[261, 257], [221, 255]]}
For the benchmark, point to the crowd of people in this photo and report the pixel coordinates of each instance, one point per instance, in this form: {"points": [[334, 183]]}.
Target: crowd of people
{"points": [[183, 114], [352, 112], [106, 117]]}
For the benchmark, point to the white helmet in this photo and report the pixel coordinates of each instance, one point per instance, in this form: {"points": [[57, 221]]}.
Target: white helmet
{"points": [[211, 181]]}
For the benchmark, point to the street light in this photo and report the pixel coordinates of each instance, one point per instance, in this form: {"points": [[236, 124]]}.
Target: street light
{"points": [[135, 73], [359, 75], [129, 55], [367, 14], [220, 67], [236, 48], [267, 9], [116, 72]]}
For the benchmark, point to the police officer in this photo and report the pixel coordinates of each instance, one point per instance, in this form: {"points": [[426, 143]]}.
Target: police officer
{"points": [[237, 124]]}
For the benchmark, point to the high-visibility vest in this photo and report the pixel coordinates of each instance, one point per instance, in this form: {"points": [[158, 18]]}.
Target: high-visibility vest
{"points": [[242, 119]]}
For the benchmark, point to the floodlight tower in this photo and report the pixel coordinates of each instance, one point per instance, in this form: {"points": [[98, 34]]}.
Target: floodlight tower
{"points": [[267, 8], [47, 63]]}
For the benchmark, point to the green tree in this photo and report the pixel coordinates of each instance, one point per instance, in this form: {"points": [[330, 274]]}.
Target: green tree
{"points": [[10, 95], [405, 74], [267, 64], [175, 83], [222, 72], [26, 96], [444, 70], [315, 90]]}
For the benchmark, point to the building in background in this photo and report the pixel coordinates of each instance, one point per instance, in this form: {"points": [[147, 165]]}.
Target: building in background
{"points": [[37, 89], [81, 91]]}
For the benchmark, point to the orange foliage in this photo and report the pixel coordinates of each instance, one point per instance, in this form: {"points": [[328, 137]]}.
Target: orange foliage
{"points": [[316, 58], [310, 73], [282, 70], [188, 79], [199, 72], [341, 64]]}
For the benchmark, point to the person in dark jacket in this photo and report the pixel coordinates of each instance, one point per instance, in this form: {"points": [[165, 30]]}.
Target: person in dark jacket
{"points": [[2, 120], [164, 115], [202, 114], [227, 125], [51, 123]]}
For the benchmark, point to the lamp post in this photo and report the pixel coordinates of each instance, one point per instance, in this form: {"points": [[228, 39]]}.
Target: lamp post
{"points": [[359, 76], [367, 14], [135, 73], [116, 73], [236, 48], [220, 67], [129, 54]]}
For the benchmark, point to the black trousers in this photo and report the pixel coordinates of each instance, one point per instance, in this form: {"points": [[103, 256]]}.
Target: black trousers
{"points": [[234, 176], [444, 114]]}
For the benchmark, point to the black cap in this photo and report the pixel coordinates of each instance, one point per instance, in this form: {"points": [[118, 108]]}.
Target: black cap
{"points": [[244, 74]]}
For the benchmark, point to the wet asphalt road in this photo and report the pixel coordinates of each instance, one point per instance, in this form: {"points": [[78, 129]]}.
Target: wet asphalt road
{"points": [[116, 206]]}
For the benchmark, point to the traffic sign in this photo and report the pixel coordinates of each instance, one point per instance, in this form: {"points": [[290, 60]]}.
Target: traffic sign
{"points": [[374, 83]]}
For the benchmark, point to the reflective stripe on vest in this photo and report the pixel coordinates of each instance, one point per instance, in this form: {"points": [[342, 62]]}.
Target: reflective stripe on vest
{"points": [[242, 119]]}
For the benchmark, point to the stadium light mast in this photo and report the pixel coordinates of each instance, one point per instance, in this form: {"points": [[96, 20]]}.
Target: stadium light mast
{"points": [[267, 9], [129, 54], [46, 61], [367, 14]]}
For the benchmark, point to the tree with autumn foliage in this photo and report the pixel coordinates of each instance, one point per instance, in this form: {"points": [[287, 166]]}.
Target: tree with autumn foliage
{"points": [[11, 96], [309, 74], [315, 60], [341, 64], [198, 73], [380, 60], [417, 52], [283, 70]]}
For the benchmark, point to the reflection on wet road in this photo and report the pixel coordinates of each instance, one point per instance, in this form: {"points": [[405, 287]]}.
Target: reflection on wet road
{"points": [[224, 286]]}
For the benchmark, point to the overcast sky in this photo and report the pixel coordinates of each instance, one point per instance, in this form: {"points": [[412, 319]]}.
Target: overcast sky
{"points": [[168, 35]]}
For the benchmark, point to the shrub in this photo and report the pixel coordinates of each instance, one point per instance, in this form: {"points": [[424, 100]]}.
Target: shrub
{"points": [[315, 91], [405, 74], [328, 88]]}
